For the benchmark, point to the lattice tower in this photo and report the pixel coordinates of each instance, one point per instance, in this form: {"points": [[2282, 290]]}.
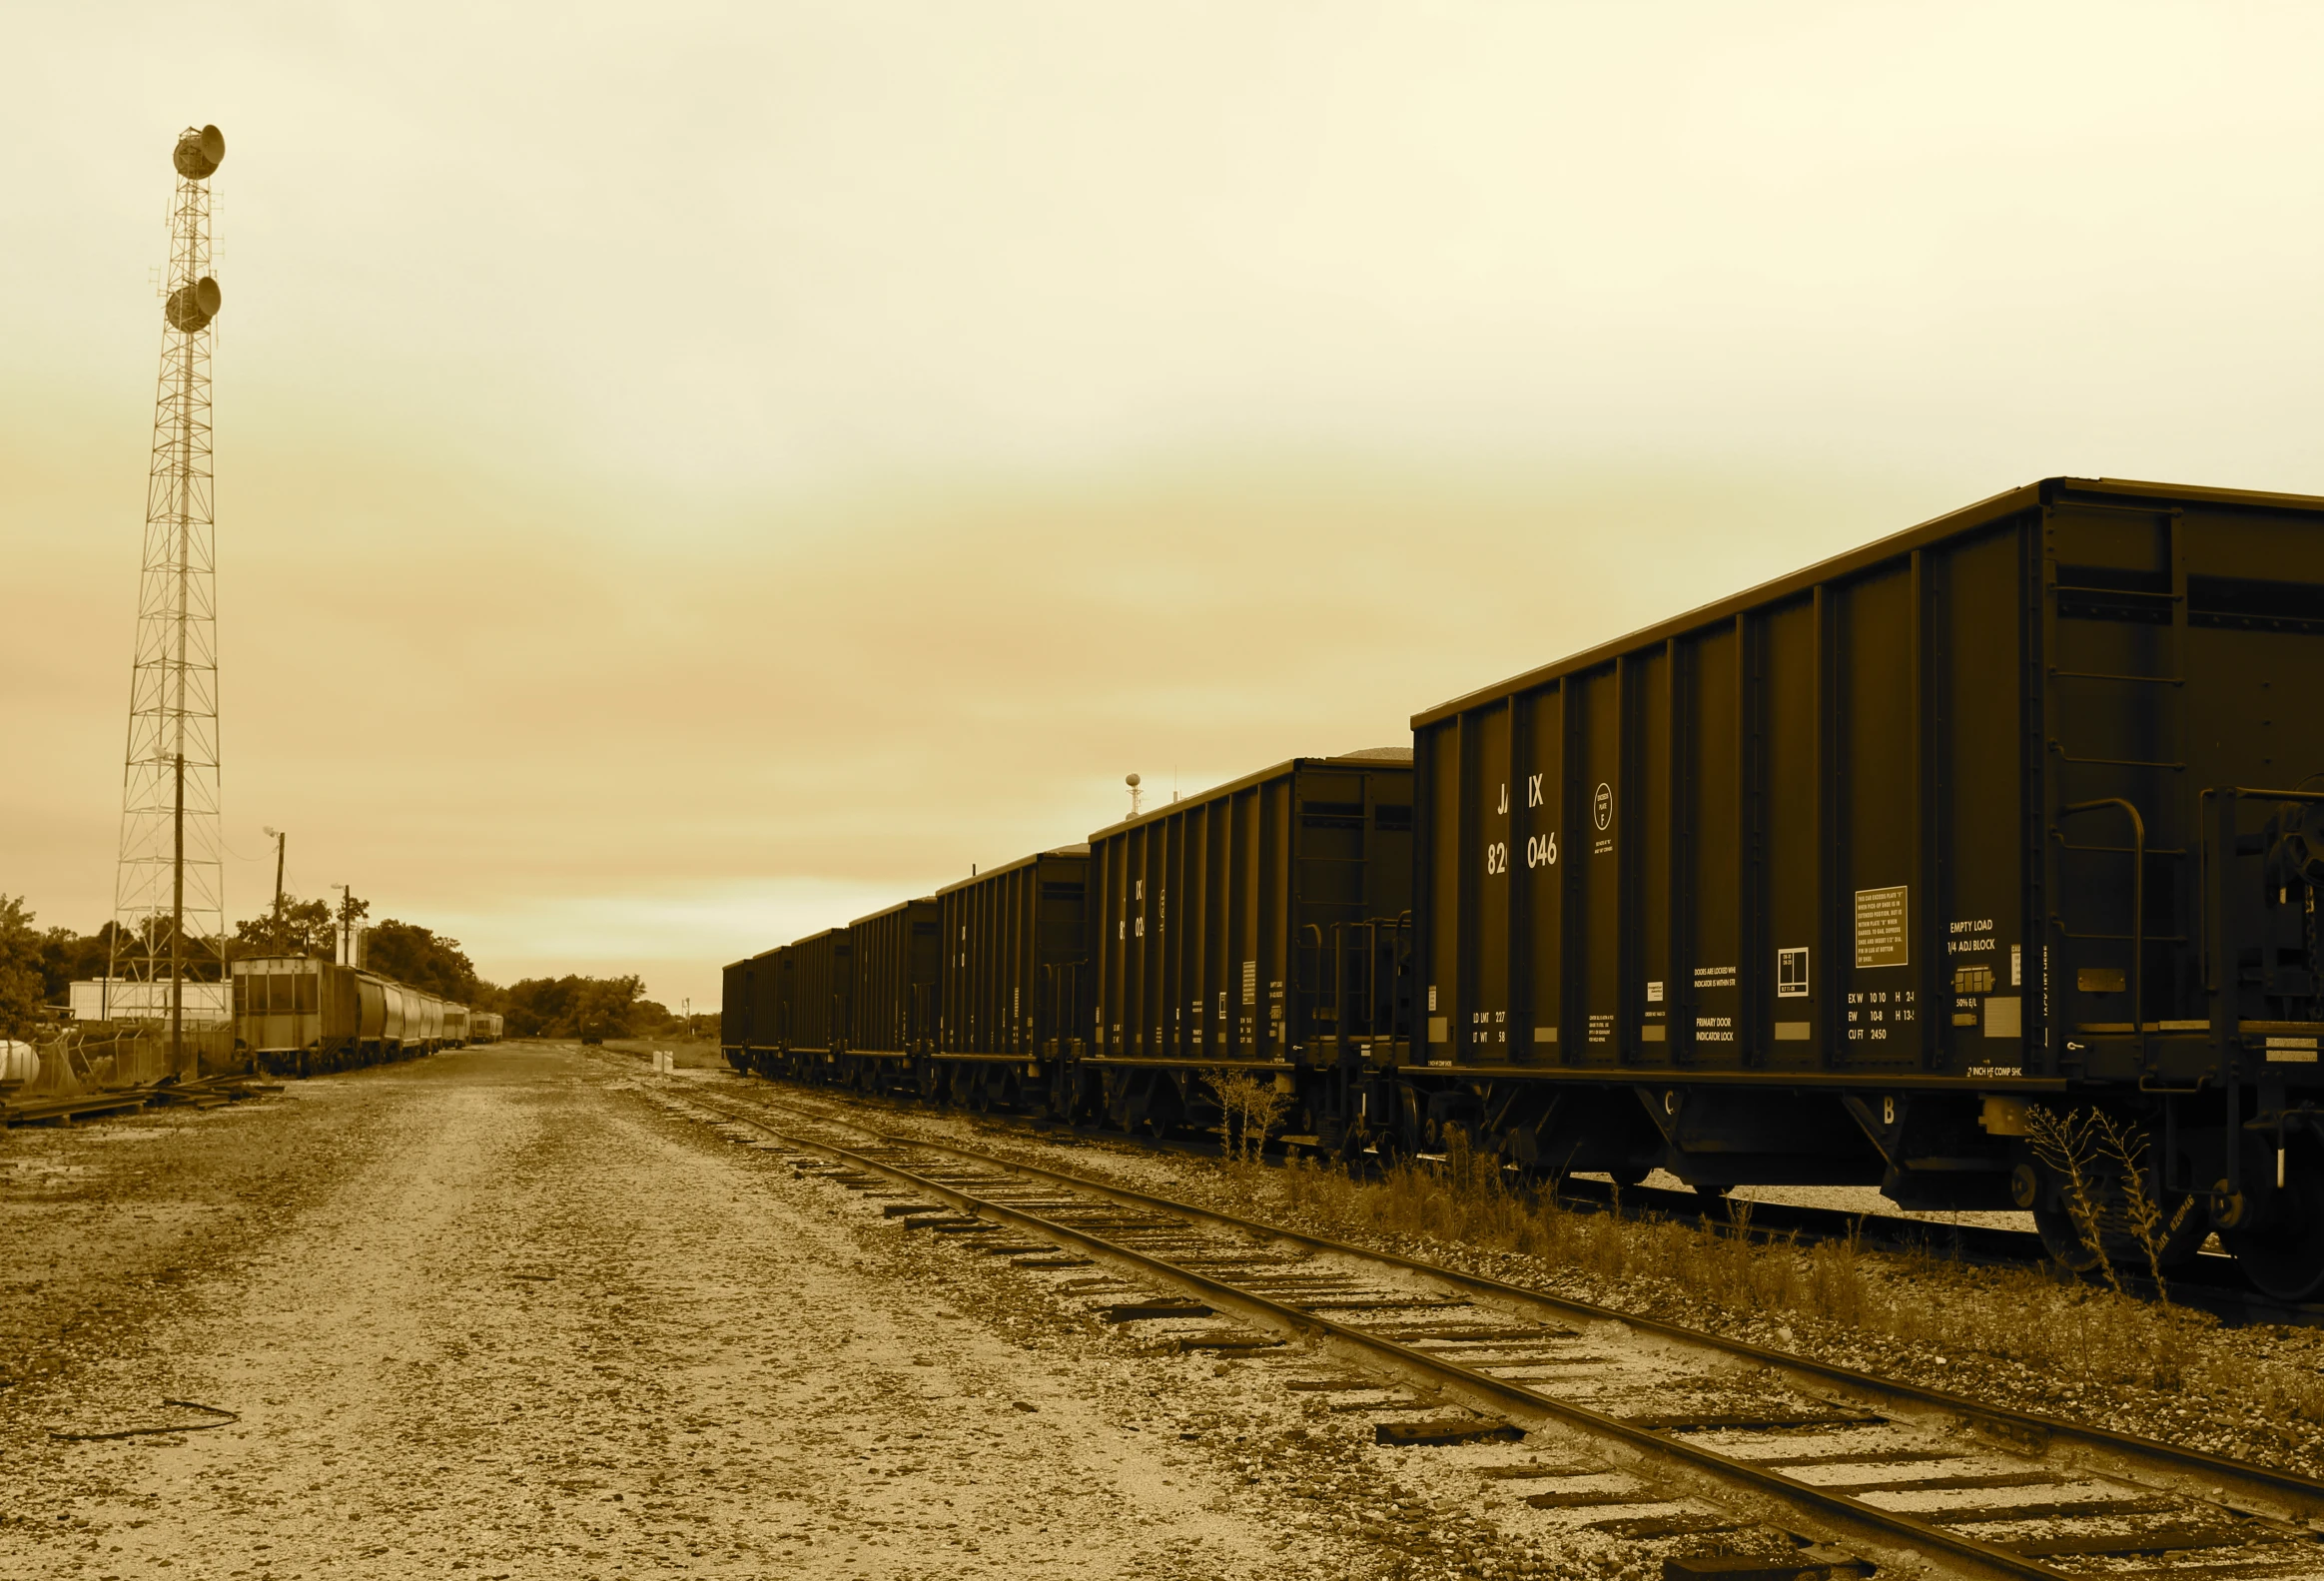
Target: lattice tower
{"points": [[169, 905]]}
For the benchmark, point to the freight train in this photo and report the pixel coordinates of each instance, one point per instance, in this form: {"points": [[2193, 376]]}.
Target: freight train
{"points": [[297, 1015], [1974, 864]]}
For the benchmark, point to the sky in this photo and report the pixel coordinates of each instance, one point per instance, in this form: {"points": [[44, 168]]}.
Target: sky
{"points": [[689, 475]]}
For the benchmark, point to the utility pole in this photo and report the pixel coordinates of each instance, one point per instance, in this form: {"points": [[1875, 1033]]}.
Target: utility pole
{"points": [[280, 838], [351, 911]]}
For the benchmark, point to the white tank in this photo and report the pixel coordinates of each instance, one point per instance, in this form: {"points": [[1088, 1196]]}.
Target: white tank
{"points": [[19, 1063]]}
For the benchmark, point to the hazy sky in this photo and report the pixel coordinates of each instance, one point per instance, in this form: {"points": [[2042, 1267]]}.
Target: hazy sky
{"points": [[691, 474]]}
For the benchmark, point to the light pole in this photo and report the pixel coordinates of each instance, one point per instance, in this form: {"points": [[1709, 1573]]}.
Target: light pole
{"points": [[280, 839]]}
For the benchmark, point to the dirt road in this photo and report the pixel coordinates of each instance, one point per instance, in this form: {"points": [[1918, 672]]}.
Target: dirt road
{"points": [[493, 1314]]}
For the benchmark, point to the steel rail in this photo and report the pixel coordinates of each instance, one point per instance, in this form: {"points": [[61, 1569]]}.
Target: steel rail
{"points": [[2279, 1495], [1892, 1534], [2210, 1285]]}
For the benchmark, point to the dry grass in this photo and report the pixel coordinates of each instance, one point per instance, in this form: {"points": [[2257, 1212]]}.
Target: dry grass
{"points": [[690, 1055], [2071, 1331]]}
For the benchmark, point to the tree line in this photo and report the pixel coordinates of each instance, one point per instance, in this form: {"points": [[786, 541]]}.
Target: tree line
{"points": [[38, 967]]}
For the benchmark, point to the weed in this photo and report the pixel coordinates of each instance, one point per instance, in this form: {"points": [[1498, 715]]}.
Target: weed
{"points": [[2071, 1334], [2103, 1163], [1252, 1109]]}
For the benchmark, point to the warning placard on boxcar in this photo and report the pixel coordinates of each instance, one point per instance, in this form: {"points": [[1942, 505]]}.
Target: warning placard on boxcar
{"points": [[1881, 935]]}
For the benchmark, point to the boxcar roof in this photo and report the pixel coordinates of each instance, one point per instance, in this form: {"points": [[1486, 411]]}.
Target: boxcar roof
{"points": [[1370, 758], [1010, 867], [1983, 513], [889, 911]]}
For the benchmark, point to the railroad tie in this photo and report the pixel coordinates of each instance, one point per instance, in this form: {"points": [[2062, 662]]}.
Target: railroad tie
{"points": [[1972, 1479], [1138, 1312], [1445, 1430], [1597, 1498], [1648, 1528], [2176, 1539], [1228, 1340], [2059, 1509], [1534, 1471]]}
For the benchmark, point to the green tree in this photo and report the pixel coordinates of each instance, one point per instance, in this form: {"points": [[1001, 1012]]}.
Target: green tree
{"points": [[305, 928], [67, 958], [422, 958], [20, 969], [573, 1007]]}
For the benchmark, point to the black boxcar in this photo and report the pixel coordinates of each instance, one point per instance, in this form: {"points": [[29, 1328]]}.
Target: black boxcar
{"points": [[1015, 982], [1218, 923], [737, 996], [759, 991], [892, 1007], [1859, 875], [819, 989]]}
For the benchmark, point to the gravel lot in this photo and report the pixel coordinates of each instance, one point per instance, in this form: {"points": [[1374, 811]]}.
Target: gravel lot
{"points": [[494, 1314]]}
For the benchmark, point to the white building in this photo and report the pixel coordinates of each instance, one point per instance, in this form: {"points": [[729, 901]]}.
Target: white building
{"points": [[118, 998]]}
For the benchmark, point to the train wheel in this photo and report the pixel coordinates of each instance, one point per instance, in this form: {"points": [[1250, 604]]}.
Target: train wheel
{"points": [[2064, 1240], [2284, 1257], [2186, 1223]]}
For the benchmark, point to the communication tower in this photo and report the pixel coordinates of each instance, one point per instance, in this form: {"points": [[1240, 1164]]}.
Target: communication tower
{"points": [[168, 898]]}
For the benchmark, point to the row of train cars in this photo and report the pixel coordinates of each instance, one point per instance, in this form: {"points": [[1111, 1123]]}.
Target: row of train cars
{"points": [[298, 1016], [1862, 877]]}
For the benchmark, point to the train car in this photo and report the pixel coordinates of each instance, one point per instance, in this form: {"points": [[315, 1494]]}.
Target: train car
{"points": [[892, 1003], [485, 1025], [1220, 929], [1857, 876], [773, 982], [429, 1020], [298, 1016], [398, 1018], [455, 1025], [815, 993], [1014, 990], [737, 994]]}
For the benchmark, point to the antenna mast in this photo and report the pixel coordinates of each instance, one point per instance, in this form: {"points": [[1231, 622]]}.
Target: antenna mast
{"points": [[169, 895]]}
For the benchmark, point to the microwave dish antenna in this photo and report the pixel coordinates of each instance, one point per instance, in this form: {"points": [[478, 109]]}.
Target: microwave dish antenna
{"points": [[199, 151]]}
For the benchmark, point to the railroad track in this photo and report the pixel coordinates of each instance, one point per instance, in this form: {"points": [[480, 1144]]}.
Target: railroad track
{"points": [[2210, 1283], [1640, 1429]]}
